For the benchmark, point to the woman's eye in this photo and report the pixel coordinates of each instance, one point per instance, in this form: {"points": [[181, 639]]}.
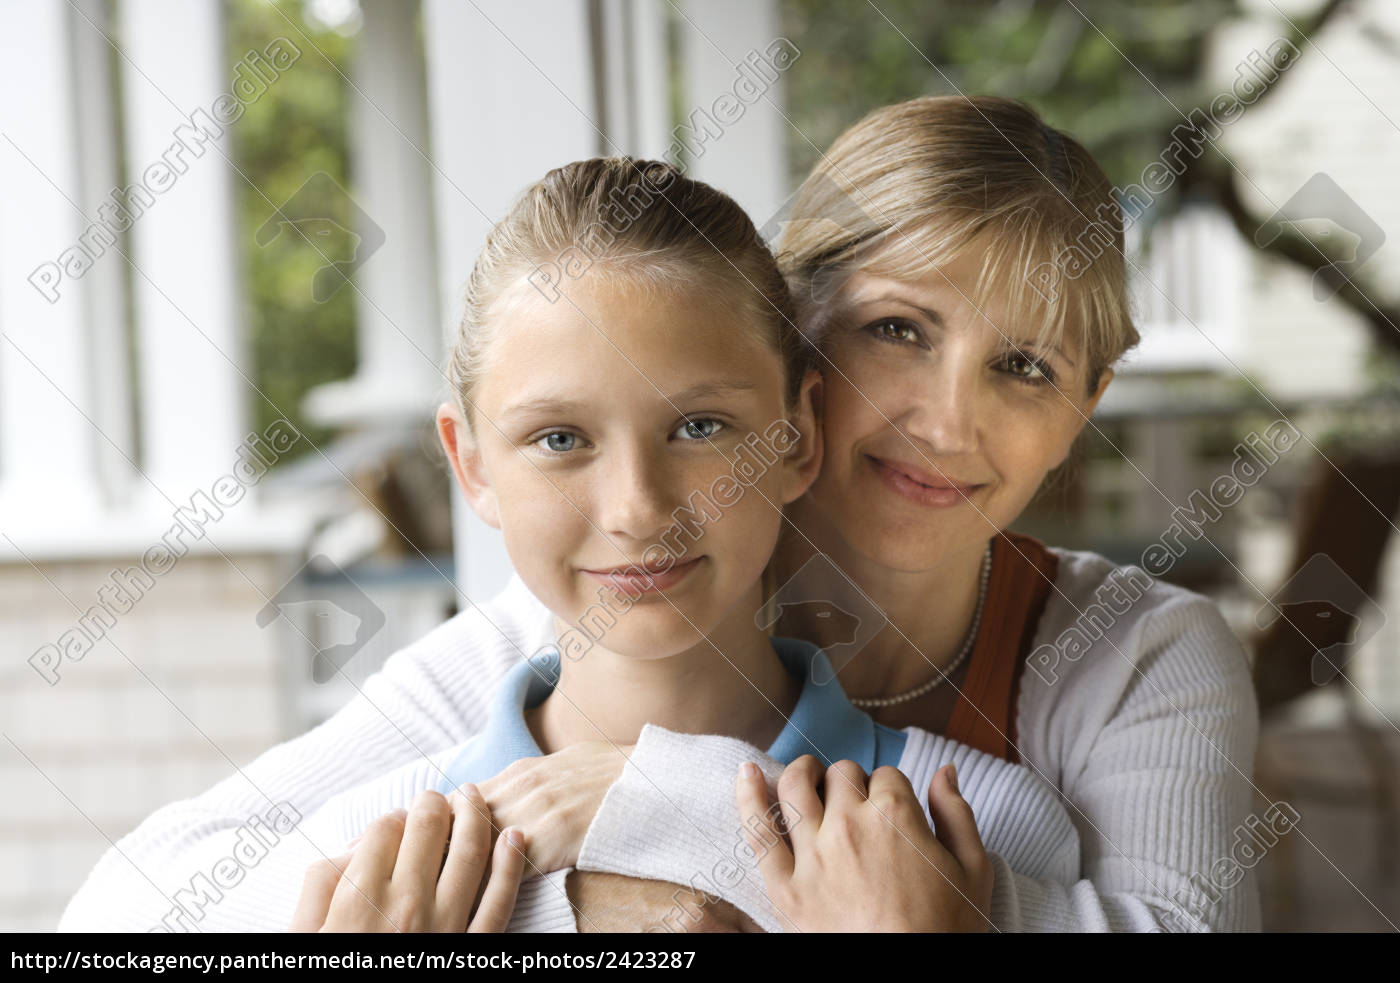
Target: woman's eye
{"points": [[894, 330], [558, 442], [1028, 369], [699, 429]]}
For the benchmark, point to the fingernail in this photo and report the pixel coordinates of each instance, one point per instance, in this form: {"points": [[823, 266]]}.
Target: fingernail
{"points": [[953, 778], [749, 770], [515, 837]]}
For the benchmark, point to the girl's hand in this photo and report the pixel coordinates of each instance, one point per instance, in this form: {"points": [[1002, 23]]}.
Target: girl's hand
{"points": [[553, 799], [398, 879], [862, 857]]}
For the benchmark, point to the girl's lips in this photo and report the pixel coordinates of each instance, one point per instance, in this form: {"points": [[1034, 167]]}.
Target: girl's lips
{"points": [[915, 491], [637, 581]]}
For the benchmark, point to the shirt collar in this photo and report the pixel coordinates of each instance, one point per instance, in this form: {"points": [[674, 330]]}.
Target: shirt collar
{"points": [[824, 722]]}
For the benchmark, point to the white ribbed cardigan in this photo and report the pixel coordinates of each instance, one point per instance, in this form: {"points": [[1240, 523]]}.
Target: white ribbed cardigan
{"points": [[1148, 735]]}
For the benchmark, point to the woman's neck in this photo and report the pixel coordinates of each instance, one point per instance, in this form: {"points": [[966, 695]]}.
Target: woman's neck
{"points": [[731, 683], [926, 614]]}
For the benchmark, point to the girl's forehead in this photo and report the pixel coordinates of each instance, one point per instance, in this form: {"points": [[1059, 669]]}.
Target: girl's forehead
{"points": [[603, 336]]}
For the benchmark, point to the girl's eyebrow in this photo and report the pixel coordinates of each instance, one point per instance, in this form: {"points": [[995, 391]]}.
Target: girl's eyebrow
{"points": [[702, 390], [542, 404]]}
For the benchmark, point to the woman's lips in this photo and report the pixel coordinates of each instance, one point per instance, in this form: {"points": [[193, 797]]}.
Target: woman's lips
{"points": [[636, 580], [919, 486]]}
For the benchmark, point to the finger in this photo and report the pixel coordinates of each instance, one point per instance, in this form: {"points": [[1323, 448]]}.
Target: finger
{"points": [[844, 786], [800, 801], [365, 881], [317, 889], [468, 854], [775, 861], [953, 822], [890, 793], [373, 859], [507, 867], [424, 843]]}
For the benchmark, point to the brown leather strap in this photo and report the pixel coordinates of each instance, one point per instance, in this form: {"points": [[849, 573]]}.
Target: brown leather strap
{"points": [[1023, 571]]}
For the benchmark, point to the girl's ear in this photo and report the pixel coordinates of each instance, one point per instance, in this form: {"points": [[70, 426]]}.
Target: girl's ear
{"points": [[462, 450], [804, 458]]}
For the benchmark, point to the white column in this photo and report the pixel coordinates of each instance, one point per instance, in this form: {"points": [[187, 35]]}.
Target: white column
{"points": [[745, 158], [635, 72], [396, 300], [650, 54], [47, 449], [183, 241], [104, 287], [510, 96]]}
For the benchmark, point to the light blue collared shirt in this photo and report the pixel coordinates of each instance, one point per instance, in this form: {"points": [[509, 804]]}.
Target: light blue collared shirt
{"points": [[824, 723]]}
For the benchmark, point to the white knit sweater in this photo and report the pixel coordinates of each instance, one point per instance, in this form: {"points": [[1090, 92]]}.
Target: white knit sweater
{"points": [[1148, 733]]}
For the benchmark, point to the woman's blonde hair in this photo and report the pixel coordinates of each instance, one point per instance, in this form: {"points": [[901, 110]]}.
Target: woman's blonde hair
{"points": [[909, 187], [638, 222]]}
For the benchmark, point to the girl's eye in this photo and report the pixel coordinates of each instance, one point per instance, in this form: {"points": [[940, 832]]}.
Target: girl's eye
{"points": [[1030, 370], [894, 329], [701, 428], [558, 442]]}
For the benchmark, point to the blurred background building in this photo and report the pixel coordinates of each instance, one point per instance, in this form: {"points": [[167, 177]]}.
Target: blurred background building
{"points": [[234, 241]]}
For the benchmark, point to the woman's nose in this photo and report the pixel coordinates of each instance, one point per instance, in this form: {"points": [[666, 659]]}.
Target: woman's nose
{"points": [[944, 414]]}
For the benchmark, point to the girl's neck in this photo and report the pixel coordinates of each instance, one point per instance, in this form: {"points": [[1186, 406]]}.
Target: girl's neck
{"points": [[730, 683], [929, 612]]}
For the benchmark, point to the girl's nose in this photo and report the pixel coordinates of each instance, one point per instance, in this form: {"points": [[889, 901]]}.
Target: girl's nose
{"points": [[633, 501]]}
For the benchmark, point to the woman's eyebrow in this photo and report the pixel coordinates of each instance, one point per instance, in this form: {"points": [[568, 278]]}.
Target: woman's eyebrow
{"points": [[936, 320], [931, 315]]}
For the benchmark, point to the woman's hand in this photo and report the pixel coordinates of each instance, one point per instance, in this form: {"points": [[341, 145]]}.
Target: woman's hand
{"points": [[858, 857], [431, 869], [553, 799]]}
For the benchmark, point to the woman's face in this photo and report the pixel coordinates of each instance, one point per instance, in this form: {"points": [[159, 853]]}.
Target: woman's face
{"points": [[590, 454], [937, 432]]}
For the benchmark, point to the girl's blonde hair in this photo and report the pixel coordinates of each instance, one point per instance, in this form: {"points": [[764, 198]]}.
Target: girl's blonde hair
{"points": [[909, 187], [638, 222]]}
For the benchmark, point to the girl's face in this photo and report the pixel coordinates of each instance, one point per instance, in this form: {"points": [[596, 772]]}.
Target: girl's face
{"points": [[589, 452], [936, 432]]}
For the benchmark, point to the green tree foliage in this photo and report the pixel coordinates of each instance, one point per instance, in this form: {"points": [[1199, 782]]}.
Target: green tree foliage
{"points": [[296, 128], [1107, 72]]}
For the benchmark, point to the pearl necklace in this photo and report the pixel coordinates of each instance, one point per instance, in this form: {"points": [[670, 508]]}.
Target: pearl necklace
{"points": [[943, 674]]}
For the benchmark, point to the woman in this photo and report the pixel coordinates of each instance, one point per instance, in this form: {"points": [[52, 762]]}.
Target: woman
{"points": [[957, 376], [953, 386]]}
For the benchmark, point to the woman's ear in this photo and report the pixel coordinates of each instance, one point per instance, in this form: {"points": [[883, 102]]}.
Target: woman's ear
{"points": [[462, 450], [1104, 380], [1085, 411], [803, 461]]}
